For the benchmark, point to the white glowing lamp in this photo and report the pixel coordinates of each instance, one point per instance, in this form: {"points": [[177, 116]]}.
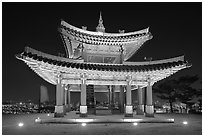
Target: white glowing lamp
{"points": [[83, 124], [185, 122], [135, 124], [20, 124]]}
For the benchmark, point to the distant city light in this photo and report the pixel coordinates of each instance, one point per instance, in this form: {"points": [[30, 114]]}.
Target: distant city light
{"points": [[83, 124], [20, 124], [37, 120], [185, 122], [135, 124], [21, 103]]}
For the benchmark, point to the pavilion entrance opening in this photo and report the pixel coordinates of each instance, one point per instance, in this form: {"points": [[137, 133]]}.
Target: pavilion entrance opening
{"points": [[103, 100]]}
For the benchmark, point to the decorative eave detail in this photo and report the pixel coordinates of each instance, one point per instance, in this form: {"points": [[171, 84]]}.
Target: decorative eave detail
{"points": [[49, 56], [49, 67]]}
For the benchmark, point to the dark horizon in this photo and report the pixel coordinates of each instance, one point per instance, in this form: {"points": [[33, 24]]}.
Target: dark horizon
{"points": [[176, 30]]}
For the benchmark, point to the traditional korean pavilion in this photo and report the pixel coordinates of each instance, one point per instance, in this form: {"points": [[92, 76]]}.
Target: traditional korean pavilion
{"points": [[99, 59]]}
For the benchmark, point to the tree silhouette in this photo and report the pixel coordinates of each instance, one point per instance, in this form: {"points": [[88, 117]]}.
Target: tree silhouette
{"points": [[178, 89]]}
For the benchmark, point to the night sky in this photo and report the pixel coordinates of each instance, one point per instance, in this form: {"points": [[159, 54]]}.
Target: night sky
{"points": [[176, 30]]}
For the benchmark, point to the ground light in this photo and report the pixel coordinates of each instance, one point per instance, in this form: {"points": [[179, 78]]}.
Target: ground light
{"points": [[48, 114], [83, 124], [135, 124], [20, 124], [185, 122]]}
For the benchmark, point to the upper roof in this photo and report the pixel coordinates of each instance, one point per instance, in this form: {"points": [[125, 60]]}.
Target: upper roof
{"points": [[107, 38], [101, 42], [67, 25]]}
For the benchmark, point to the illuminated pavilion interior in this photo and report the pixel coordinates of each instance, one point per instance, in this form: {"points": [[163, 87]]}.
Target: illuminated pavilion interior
{"points": [[98, 62]]}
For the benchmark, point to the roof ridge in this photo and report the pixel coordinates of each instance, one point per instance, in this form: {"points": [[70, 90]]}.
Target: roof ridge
{"points": [[63, 23]]}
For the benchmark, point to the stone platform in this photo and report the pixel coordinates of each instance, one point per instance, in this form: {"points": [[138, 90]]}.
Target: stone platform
{"points": [[73, 118]]}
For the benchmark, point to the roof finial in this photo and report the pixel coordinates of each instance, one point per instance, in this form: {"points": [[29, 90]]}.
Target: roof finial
{"points": [[100, 20], [100, 27]]}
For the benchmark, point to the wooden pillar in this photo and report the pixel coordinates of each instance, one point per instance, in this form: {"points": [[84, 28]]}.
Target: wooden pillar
{"points": [[128, 96], [113, 96], [83, 106], [121, 98], [65, 98], [144, 97], [140, 107], [59, 108], [128, 107], [109, 97], [113, 99], [68, 99], [149, 107]]}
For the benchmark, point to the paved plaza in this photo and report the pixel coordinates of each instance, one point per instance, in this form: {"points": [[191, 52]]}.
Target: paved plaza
{"points": [[30, 127]]}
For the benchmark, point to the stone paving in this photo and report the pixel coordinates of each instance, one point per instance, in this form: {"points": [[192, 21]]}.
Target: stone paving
{"points": [[73, 117]]}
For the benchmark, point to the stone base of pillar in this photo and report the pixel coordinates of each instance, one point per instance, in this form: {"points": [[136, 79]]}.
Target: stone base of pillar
{"points": [[59, 111], [83, 111], [149, 111], [128, 111], [140, 110]]}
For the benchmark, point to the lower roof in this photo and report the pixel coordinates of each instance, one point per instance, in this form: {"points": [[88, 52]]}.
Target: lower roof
{"points": [[127, 66], [49, 67]]}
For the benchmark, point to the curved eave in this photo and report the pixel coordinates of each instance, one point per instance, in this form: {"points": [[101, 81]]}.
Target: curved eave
{"points": [[72, 75], [35, 67], [98, 74], [63, 23], [170, 60], [38, 54], [104, 40]]}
